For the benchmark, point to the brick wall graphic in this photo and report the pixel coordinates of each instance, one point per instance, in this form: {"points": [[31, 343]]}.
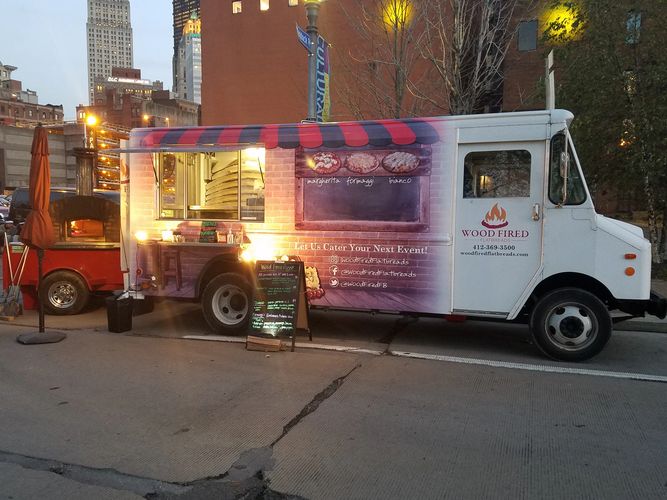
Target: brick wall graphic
{"points": [[371, 225]]}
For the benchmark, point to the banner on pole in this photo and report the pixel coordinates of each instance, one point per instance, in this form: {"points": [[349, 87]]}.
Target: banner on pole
{"points": [[323, 82]]}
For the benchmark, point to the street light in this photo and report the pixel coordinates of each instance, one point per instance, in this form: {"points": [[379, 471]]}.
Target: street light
{"points": [[89, 129], [312, 11], [86, 157]]}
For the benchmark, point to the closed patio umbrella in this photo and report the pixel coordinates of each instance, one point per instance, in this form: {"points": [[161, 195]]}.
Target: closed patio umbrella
{"points": [[37, 232]]}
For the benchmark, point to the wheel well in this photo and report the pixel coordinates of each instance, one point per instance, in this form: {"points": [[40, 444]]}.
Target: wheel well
{"points": [[70, 271], [219, 265], [575, 280]]}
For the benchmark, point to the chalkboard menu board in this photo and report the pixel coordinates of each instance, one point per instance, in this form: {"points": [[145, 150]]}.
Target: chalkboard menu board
{"points": [[364, 189], [368, 198], [279, 307]]}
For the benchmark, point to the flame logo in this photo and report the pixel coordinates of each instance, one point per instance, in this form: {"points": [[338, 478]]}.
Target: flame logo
{"points": [[495, 218]]}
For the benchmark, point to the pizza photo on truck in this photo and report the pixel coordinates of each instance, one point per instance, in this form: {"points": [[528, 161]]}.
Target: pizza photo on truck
{"points": [[484, 216]]}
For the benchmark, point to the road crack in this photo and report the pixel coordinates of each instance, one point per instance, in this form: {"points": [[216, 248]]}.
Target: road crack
{"points": [[314, 403], [399, 325], [107, 478], [245, 478]]}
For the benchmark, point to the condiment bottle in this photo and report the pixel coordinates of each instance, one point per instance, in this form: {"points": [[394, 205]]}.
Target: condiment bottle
{"points": [[230, 236]]}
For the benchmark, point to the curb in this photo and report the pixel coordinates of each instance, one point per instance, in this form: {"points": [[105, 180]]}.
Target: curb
{"points": [[640, 325]]}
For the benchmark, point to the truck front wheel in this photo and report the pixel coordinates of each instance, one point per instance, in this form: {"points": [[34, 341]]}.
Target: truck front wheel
{"points": [[64, 292], [570, 324], [226, 303]]}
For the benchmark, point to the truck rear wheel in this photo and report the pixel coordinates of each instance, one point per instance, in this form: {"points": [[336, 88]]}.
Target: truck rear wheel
{"points": [[64, 292], [226, 302], [570, 324]]}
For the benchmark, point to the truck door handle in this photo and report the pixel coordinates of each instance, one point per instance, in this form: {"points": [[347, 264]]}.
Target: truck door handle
{"points": [[536, 211]]}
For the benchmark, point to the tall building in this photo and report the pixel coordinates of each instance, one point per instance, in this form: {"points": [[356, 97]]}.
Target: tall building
{"points": [[182, 11], [109, 39], [188, 84]]}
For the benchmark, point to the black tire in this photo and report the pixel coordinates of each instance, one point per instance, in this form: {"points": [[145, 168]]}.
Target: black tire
{"points": [[227, 303], [570, 324], [64, 292]]}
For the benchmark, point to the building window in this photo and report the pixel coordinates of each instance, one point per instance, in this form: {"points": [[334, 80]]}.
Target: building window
{"points": [[292, 3], [633, 25], [527, 35], [236, 7], [263, 4]]}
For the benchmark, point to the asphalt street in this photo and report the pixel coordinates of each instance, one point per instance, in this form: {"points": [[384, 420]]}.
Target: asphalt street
{"points": [[377, 406]]}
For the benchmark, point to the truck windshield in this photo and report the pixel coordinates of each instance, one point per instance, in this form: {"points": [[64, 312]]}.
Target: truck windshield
{"points": [[576, 192]]}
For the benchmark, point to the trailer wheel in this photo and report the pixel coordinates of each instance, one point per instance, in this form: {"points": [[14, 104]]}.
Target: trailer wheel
{"points": [[64, 292], [570, 324], [226, 303]]}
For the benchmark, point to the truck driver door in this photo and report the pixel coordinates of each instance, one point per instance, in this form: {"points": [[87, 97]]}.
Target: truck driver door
{"points": [[498, 237]]}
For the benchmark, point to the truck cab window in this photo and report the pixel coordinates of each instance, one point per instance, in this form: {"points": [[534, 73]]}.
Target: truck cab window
{"points": [[223, 185], [497, 174], [576, 192]]}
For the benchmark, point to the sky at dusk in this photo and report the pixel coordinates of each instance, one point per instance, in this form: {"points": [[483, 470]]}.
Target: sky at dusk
{"points": [[46, 41]]}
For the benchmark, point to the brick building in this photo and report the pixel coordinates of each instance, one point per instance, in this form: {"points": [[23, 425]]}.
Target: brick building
{"points": [[255, 70], [21, 107], [126, 100]]}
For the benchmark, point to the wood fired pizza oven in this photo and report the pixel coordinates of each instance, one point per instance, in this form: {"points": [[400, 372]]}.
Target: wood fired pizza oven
{"points": [[86, 219]]}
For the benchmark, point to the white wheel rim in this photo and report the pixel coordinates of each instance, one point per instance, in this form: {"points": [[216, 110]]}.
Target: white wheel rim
{"points": [[571, 326], [230, 304]]}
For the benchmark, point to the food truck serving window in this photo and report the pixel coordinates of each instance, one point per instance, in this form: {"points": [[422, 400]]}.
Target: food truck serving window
{"points": [[227, 185]]}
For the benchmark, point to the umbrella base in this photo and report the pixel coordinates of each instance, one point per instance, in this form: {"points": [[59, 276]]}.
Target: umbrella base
{"points": [[50, 337]]}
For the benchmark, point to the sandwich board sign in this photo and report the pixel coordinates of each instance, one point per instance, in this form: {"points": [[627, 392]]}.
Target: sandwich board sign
{"points": [[279, 308]]}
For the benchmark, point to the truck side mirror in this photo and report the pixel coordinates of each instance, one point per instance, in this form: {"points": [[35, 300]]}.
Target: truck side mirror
{"points": [[564, 171]]}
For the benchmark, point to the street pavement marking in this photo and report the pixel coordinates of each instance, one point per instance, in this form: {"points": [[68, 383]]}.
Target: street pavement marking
{"points": [[217, 338], [531, 367], [309, 345], [455, 359]]}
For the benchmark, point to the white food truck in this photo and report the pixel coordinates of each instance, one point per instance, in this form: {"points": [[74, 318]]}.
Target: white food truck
{"points": [[485, 216]]}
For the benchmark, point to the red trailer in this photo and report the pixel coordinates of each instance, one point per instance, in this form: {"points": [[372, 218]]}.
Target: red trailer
{"points": [[84, 260]]}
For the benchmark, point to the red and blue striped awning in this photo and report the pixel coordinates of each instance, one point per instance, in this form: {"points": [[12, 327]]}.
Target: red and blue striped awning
{"points": [[308, 135]]}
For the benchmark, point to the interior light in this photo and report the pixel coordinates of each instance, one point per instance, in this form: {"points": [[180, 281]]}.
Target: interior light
{"points": [[141, 235], [262, 248], [254, 153]]}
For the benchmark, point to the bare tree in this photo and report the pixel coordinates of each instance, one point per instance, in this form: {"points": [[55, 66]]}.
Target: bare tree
{"points": [[466, 42], [382, 63]]}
